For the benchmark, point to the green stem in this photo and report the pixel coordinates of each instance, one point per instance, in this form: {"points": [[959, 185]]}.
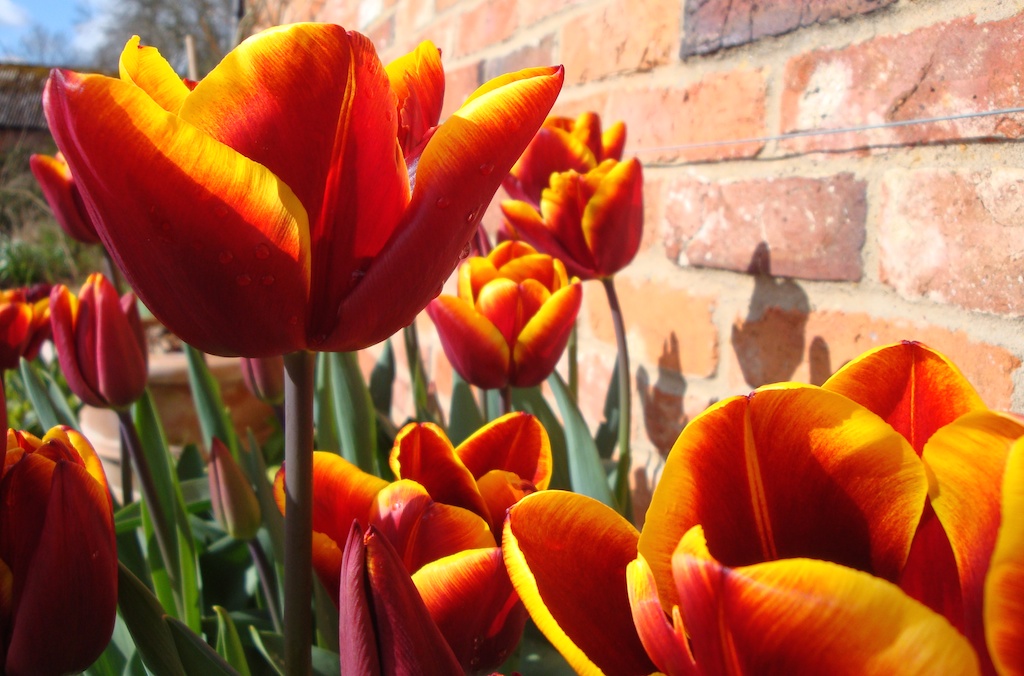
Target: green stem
{"points": [[506, 400], [298, 515], [268, 582], [625, 391], [573, 357], [127, 496], [163, 527]]}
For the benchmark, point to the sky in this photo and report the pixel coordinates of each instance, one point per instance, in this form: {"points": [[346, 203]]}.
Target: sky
{"points": [[70, 17]]}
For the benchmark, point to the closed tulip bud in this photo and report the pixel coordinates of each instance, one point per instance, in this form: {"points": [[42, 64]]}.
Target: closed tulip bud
{"points": [[234, 502], [65, 200], [100, 343], [24, 326], [58, 556], [512, 317], [264, 378]]}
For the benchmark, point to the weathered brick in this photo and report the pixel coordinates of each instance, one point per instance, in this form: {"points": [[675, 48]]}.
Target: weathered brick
{"points": [[955, 237], [720, 107], [624, 36], [954, 67], [535, 10], [486, 24], [711, 25], [813, 227], [383, 35], [542, 53], [831, 338], [658, 317]]}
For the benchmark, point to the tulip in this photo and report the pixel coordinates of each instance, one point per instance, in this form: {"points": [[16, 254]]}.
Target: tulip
{"points": [[231, 495], [58, 557], [256, 215], [593, 221], [24, 326], [264, 378], [437, 518], [512, 317], [100, 343], [561, 144], [783, 535], [65, 200]]}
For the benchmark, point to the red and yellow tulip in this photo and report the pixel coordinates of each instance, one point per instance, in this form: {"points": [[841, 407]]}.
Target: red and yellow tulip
{"points": [[561, 144], [24, 326], [593, 220], [512, 317], [100, 343], [790, 531], [58, 558], [437, 518], [54, 177], [258, 215]]}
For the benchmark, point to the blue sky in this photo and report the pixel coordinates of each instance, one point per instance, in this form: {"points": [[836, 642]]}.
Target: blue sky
{"points": [[18, 16]]}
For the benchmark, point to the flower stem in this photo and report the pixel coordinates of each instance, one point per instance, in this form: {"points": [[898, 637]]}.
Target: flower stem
{"points": [[127, 496], [573, 358], [622, 494], [506, 400], [298, 515], [268, 582]]}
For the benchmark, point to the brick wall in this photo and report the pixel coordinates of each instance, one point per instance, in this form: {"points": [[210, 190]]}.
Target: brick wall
{"points": [[774, 260]]}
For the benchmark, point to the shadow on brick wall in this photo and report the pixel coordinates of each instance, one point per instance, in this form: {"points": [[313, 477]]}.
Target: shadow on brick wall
{"points": [[662, 401]]}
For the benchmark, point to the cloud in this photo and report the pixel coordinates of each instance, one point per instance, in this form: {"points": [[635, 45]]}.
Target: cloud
{"points": [[12, 14]]}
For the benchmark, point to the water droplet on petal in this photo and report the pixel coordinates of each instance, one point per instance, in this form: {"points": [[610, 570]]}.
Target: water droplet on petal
{"points": [[486, 168], [443, 202], [464, 254], [243, 280], [262, 252], [470, 216], [225, 257], [267, 280]]}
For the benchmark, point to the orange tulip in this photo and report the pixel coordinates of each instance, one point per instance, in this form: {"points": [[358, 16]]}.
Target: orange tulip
{"points": [[54, 177], [58, 557], [100, 343], [24, 326], [782, 534], [258, 215], [593, 221], [437, 517], [512, 317], [561, 144]]}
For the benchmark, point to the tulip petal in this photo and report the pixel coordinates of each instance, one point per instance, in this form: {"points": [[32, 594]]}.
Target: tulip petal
{"points": [[149, 71], [472, 601], [748, 467], [119, 357], [457, 175], [59, 189], [912, 387], [531, 226], [423, 453], [473, 275], [69, 592], [417, 79], [86, 453], [16, 324], [64, 321], [501, 490], [552, 150], [566, 555], [804, 616], [665, 641], [243, 231], [499, 302], [357, 635], [543, 339], [473, 345], [613, 220], [1004, 587], [515, 442], [422, 530], [966, 460], [613, 141]]}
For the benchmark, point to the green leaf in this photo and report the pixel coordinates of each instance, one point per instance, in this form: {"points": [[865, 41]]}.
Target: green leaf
{"points": [[195, 492], [191, 464], [326, 617], [586, 471], [40, 398], [229, 645], [273, 520], [464, 417], [382, 380], [426, 408], [197, 657], [323, 407], [59, 400], [271, 646], [608, 431], [354, 413], [144, 617], [213, 417], [532, 401]]}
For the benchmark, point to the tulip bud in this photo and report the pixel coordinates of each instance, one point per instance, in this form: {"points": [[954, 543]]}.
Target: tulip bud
{"points": [[24, 326], [59, 188], [264, 377], [234, 502]]}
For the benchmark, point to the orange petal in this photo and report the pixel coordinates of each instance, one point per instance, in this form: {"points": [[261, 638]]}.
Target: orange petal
{"points": [[966, 461], [552, 149], [149, 71], [423, 453], [614, 218], [62, 194], [417, 79], [501, 490], [499, 302], [472, 601], [914, 388], [665, 640], [543, 339], [566, 555], [533, 227], [515, 442], [473, 345], [1004, 587], [422, 530], [804, 616], [788, 471]]}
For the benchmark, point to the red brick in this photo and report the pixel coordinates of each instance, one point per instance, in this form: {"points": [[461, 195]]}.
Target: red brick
{"points": [[656, 315], [711, 25], [829, 339], [542, 53], [442, 5], [720, 107], [813, 227], [950, 68], [954, 237], [533, 11], [489, 23], [383, 35], [624, 36], [414, 15]]}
